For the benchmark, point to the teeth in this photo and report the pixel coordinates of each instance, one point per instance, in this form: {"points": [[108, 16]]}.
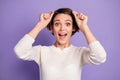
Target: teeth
{"points": [[62, 34]]}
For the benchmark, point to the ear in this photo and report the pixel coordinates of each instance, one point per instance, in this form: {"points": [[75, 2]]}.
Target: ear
{"points": [[51, 29], [52, 32], [73, 28]]}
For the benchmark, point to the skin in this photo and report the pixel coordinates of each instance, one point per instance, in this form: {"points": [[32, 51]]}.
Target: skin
{"points": [[81, 20], [62, 26]]}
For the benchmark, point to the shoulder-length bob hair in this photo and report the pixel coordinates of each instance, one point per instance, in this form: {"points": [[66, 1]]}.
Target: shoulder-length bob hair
{"points": [[67, 11]]}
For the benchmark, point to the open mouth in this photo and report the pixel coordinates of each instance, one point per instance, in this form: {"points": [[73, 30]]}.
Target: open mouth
{"points": [[62, 35]]}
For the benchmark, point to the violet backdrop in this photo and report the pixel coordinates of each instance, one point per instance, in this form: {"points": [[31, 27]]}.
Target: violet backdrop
{"points": [[17, 17]]}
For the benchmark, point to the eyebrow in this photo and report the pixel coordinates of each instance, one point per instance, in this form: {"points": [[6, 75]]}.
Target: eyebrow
{"points": [[59, 20]]}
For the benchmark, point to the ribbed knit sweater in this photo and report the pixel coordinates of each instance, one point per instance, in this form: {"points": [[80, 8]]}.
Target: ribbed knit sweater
{"points": [[57, 64]]}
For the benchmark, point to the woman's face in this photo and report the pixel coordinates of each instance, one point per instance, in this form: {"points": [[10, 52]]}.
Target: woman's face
{"points": [[62, 28]]}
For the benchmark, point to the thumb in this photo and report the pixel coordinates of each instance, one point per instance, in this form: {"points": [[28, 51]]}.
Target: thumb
{"points": [[75, 14], [51, 14]]}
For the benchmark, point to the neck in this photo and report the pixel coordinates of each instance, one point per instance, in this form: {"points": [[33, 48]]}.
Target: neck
{"points": [[62, 46]]}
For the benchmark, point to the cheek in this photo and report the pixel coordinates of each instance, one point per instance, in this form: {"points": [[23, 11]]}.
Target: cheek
{"points": [[54, 32], [70, 30]]}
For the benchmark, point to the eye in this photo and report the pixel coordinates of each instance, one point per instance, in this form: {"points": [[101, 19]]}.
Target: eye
{"points": [[68, 24], [56, 24]]}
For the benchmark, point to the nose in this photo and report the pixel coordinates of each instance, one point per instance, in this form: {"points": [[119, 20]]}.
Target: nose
{"points": [[62, 27]]}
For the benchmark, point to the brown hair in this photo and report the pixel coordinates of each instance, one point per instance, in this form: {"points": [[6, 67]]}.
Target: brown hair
{"points": [[64, 11]]}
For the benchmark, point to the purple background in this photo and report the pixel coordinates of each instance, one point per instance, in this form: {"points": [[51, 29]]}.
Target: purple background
{"points": [[17, 17]]}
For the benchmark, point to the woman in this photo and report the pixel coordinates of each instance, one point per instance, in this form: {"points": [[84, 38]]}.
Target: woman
{"points": [[62, 60]]}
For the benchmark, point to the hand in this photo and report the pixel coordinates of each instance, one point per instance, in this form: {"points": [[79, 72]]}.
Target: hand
{"points": [[81, 20], [45, 18]]}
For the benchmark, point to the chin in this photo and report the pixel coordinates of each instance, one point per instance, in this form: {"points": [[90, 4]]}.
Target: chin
{"points": [[63, 42]]}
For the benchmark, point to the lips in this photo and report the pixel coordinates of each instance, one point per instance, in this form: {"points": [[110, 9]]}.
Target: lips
{"points": [[62, 36]]}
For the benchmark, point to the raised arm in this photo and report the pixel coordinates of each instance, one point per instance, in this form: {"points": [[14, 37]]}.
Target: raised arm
{"points": [[81, 20], [24, 49], [96, 54], [44, 20]]}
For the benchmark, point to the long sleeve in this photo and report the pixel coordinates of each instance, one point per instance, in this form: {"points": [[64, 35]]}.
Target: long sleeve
{"points": [[24, 49], [95, 54]]}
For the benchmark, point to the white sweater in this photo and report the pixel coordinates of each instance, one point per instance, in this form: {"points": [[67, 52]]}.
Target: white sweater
{"points": [[57, 64]]}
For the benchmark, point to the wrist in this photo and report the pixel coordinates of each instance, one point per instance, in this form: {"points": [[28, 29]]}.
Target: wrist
{"points": [[40, 25], [84, 28]]}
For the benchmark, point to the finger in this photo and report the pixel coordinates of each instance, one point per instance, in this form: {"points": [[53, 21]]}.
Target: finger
{"points": [[84, 17], [75, 13], [41, 16], [46, 16], [80, 16], [51, 14]]}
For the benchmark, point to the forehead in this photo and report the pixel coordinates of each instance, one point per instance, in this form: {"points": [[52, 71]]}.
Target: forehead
{"points": [[63, 17]]}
